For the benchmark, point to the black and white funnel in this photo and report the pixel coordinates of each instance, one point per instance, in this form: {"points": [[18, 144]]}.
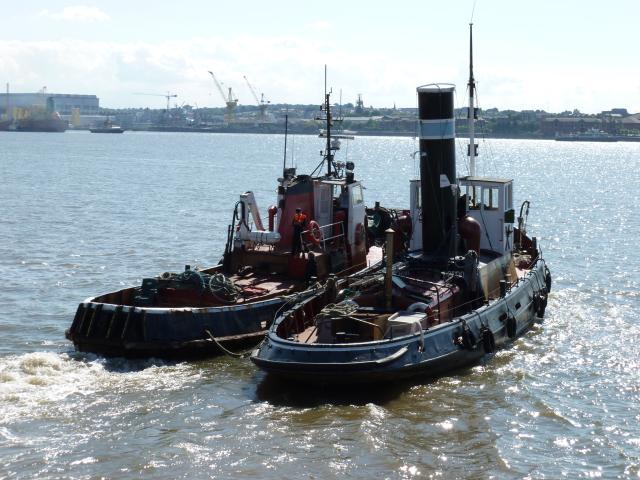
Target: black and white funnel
{"points": [[437, 170]]}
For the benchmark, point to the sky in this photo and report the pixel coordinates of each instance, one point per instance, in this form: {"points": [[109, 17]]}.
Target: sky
{"points": [[554, 55]]}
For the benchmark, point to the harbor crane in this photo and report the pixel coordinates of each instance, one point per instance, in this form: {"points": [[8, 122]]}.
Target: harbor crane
{"points": [[261, 102], [168, 96], [230, 100]]}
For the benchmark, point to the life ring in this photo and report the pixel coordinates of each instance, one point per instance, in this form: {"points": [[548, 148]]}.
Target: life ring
{"points": [[359, 234], [512, 326], [314, 233], [418, 307], [488, 340]]}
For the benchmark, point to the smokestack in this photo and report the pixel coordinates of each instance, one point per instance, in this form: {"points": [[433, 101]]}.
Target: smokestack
{"points": [[437, 170]]}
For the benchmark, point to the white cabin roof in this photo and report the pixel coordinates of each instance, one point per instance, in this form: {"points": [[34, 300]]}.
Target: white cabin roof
{"points": [[484, 180], [336, 181]]}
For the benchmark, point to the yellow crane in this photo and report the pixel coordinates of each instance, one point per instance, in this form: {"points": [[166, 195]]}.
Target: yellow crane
{"points": [[261, 102], [230, 100]]}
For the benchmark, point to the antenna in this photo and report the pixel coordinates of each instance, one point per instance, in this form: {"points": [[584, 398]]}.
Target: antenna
{"points": [[327, 112], [471, 114], [473, 10], [286, 131], [325, 79]]}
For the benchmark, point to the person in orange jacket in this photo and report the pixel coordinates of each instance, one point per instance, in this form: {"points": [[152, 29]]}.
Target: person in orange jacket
{"points": [[299, 222]]}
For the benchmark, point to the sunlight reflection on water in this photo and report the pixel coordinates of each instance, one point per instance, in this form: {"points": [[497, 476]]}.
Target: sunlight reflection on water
{"points": [[95, 213]]}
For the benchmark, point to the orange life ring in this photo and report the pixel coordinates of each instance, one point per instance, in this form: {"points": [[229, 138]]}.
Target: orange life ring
{"points": [[315, 233]]}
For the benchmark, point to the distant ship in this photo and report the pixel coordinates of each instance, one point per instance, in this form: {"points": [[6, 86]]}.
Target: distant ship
{"points": [[107, 127], [42, 122]]}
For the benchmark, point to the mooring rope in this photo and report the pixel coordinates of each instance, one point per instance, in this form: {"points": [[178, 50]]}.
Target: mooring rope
{"points": [[244, 354]]}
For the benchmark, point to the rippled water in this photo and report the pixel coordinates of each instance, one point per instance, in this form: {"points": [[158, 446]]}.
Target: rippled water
{"points": [[83, 214]]}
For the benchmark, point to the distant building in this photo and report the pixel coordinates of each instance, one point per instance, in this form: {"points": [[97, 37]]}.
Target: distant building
{"points": [[606, 121], [617, 112], [632, 122], [551, 126], [62, 103]]}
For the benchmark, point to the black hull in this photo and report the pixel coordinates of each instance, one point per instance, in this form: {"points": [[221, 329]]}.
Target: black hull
{"points": [[106, 130], [175, 334], [186, 350], [372, 372], [431, 353], [46, 125]]}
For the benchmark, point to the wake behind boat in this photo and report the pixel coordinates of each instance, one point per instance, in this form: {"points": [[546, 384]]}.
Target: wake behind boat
{"points": [[473, 283], [316, 228]]}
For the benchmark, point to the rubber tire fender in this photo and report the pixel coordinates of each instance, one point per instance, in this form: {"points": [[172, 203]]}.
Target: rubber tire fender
{"points": [[488, 340], [547, 278], [468, 338], [512, 326], [540, 303]]}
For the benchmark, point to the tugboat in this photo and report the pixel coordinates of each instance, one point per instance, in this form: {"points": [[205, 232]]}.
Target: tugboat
{"points": [[472, 282], [199, 313], [107, 127]]}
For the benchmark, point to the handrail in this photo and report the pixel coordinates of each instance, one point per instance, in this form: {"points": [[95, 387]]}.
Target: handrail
{"points": [[325, 238]]}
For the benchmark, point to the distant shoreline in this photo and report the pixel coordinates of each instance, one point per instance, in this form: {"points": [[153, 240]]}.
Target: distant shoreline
{"points": [[361, 133]]}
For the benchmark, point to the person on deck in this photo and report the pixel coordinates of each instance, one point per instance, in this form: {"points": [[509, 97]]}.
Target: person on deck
{"points": [[299, 221]]}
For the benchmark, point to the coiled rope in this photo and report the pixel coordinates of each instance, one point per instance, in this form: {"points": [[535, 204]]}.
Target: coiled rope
{"points": [[221, 286]]}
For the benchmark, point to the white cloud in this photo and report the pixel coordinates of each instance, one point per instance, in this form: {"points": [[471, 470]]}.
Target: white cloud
{"points": [[77, 13], [290, 70], [320, 25]]}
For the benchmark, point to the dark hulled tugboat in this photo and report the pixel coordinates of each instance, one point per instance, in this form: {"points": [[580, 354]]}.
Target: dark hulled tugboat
{"points": [[107, 127], [202, 312], [474, 282]]}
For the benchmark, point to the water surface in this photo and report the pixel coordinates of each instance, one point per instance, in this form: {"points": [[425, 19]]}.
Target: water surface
{"points": [[84, 214]]}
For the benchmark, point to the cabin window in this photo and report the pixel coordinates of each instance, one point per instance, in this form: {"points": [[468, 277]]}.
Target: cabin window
{"points": [[356, 195], [508, 198], [343, 198], [492, 198], [325, 201], [472, 195]]}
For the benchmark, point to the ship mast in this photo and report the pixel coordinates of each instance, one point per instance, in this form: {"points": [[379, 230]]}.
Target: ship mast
{"points": [[472, 151], [328, 125]]}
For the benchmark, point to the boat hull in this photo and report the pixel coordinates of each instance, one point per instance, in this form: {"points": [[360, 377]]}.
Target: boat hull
{"points": [[53, 125], [107, 130], [431, 352], [169, 333]]}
